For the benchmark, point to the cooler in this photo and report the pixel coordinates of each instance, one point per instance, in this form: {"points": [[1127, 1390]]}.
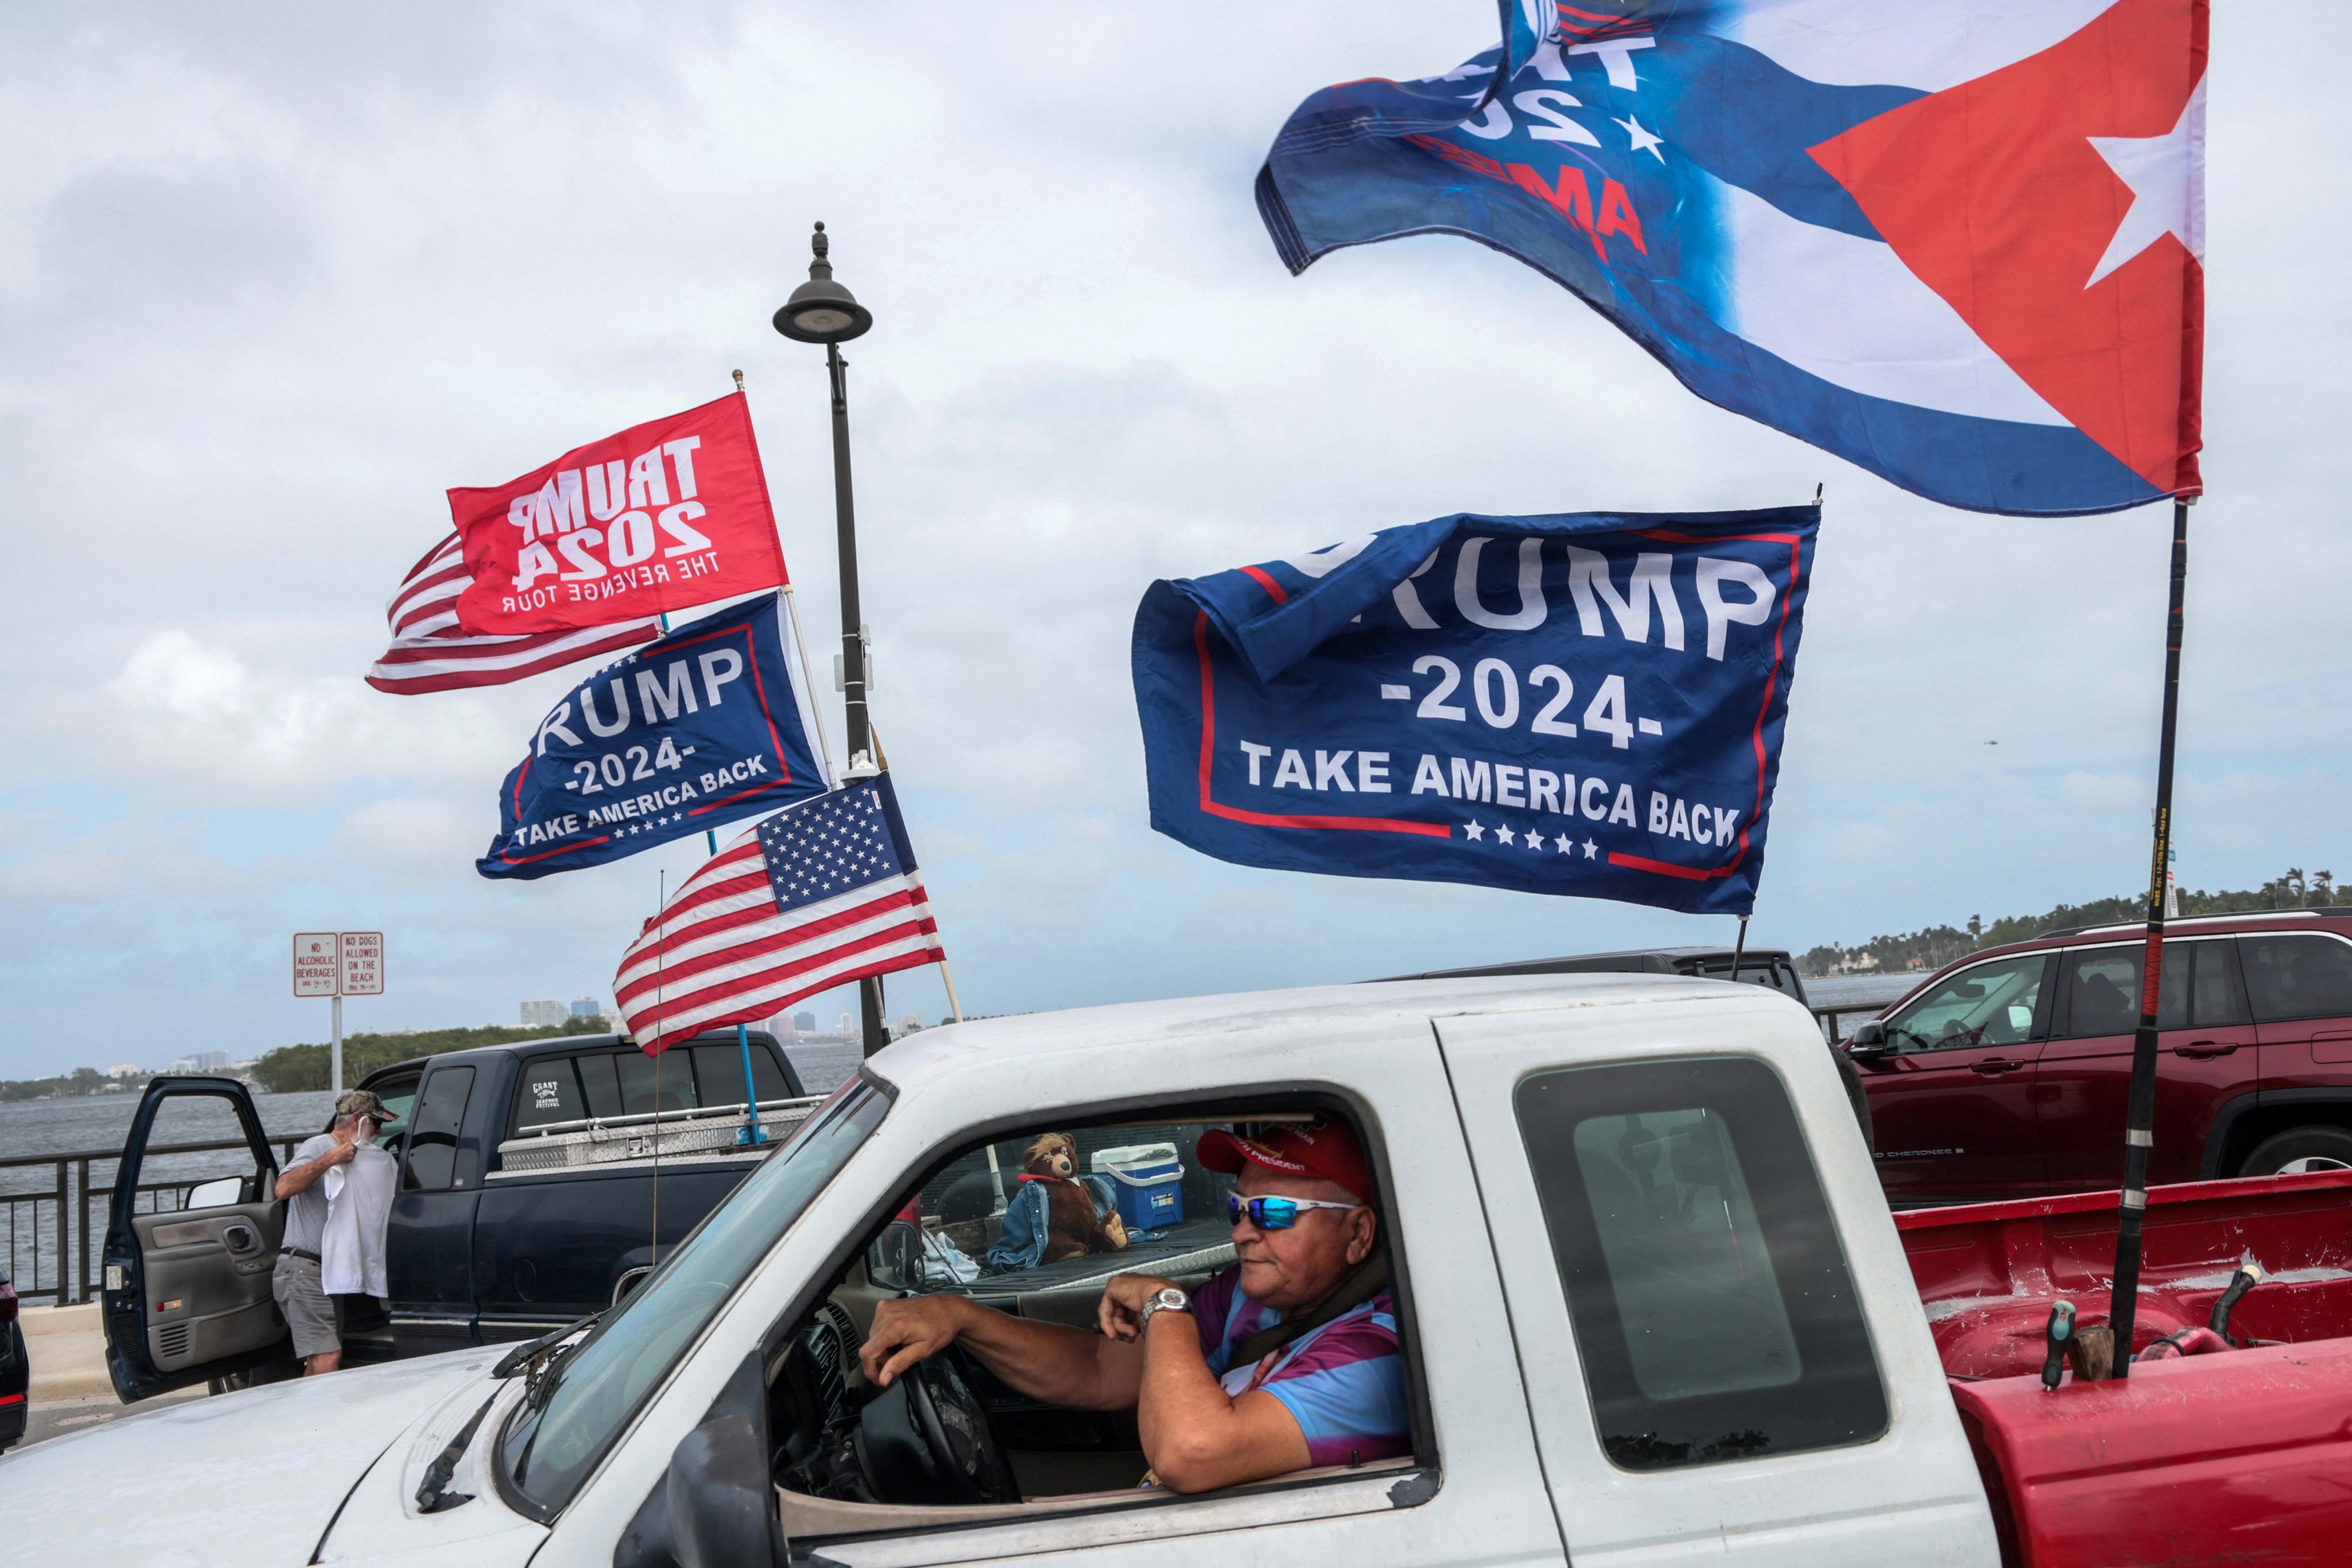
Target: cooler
{"points": [[1147, 1182]]}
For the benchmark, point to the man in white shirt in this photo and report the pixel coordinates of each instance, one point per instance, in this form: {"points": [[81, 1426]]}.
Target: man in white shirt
{"points": [[314, 1315]]}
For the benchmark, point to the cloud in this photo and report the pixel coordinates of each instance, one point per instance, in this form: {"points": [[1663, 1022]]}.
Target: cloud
{"points": [[199, 716]]}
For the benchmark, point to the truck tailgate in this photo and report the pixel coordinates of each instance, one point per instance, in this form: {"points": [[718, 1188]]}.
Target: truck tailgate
{"points": [[2240, 1457]]}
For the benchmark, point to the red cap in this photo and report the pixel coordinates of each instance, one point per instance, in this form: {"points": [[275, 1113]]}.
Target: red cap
{"points": [[1328, 1150]]}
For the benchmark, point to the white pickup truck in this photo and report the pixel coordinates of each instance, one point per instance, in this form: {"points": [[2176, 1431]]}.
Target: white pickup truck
{"points": [[1653, 1308]]}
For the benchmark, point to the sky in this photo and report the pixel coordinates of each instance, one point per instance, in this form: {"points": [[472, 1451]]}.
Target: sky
{"points": [[274, 277]]}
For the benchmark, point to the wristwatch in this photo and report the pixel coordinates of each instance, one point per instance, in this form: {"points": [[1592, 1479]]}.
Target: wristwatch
{"points": [[1170, 1299]]}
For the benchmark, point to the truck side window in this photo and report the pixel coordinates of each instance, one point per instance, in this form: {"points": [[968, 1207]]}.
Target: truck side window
{"points": [[601, 1080], [433, 1141], [547, 1091], [1712, 1306], [2297, 976], [399, 1097], [640, 1074], [719, 1071]]}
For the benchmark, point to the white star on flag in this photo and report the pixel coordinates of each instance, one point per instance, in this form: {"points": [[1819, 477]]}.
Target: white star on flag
{"points": [[2167, 176], [1644, 141]]}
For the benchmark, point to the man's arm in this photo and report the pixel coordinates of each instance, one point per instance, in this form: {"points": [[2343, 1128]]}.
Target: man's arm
{"points": [[1064, 1367], [298, 1178], [1197, 1436]]}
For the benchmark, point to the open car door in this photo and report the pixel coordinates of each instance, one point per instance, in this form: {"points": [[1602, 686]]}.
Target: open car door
{"points": [[191, 1238]]}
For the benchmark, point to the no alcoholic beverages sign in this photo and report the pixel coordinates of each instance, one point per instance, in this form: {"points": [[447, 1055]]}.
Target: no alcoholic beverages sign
{"points": [[317, 966]]}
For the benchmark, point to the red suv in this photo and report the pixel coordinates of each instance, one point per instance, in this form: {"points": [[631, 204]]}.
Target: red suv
{"points": [[2005, 1074]]}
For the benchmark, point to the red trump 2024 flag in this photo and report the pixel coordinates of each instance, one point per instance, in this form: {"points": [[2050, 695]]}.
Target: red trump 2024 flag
{"points": [[663, 516]]}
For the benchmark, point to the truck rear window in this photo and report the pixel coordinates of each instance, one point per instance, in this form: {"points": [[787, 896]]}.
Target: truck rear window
{"points": [[1712, 1310], [560, 1088]]}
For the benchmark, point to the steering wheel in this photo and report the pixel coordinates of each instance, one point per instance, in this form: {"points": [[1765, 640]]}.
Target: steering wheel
{"points": [[925, 1439]]}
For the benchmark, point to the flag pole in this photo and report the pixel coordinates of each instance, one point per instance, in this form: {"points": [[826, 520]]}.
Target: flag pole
{"points": [[2140, 1123], [661, 957], [808, 679], [808, 685], [946, 978]]}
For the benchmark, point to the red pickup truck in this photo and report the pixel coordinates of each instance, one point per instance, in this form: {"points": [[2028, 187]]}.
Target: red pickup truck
{"points": [[2205, 1457]]}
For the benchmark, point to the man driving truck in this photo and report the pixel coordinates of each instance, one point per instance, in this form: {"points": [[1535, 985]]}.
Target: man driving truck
{"points": [[1286, 1360]]}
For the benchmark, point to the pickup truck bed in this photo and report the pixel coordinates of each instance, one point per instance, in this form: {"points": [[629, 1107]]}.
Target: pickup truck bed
{"points": [[2236, 1455]]}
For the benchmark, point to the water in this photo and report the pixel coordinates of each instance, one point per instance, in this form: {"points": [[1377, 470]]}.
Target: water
{"points": [[30, 1127], [1859, 990], [34, 1128]]}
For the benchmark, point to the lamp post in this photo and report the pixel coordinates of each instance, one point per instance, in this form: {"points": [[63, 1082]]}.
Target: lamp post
{"points": [[822, 311]]}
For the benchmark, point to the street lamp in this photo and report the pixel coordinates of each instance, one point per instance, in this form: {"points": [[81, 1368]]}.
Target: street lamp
{"points": [[822, 311]]}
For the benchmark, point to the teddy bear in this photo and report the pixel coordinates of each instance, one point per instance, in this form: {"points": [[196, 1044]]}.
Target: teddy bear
{"points": [[1073, 1226]]}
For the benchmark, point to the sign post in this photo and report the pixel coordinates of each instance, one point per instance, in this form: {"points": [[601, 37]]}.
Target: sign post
{"points": [[335, 965]]}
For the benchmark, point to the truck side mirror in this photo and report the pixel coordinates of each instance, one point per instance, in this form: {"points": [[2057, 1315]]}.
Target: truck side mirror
{"points": [[722, 1509], [1869, 1039], [714, 1507]]}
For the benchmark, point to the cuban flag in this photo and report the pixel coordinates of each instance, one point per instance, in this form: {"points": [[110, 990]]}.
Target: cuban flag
{"points": [[1954, 242]]}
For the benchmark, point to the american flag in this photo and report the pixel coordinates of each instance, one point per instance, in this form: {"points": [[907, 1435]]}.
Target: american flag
{"points": [[428, 653], [822, 893]]}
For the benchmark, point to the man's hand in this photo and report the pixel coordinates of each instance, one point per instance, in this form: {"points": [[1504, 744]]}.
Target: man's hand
{"points": [[908, 1330], [1121, 1312], [347, 1148]]}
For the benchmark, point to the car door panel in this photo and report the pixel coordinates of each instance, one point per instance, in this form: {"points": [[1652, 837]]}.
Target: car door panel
{"points": [[1952, 1105], [207, 1274], [2083, 1086], [2299, 984], [187, 1292], [428, 1256]]}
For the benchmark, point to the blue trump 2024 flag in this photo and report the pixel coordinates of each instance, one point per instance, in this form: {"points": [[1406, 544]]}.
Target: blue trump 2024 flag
{"points": [[700, 727], [1954, 242], [1588, 704]]}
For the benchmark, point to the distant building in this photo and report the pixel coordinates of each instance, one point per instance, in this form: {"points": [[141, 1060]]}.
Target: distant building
{"points": [[804, 1022], [125, 1069], [585, 1007], [201, 1061], [781, 1026], [543, 1015], [848, 1024], [909, 1022]]}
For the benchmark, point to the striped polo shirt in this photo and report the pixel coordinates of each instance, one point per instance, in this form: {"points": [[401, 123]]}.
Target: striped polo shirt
{"points": [[1343, 1383]]}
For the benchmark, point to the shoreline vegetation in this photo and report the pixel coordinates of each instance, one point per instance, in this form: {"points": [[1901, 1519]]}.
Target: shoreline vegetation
{"points": [[1933, 946], [292, 1069]]}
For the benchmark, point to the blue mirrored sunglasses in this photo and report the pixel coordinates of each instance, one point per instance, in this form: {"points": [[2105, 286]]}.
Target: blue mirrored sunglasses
{"points": [[1274, 1213]]}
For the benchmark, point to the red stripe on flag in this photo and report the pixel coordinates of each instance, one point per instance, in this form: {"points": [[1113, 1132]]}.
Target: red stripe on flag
{"points": [[1260, 818], [684, 969], [759, 1004], [1266, 583]]}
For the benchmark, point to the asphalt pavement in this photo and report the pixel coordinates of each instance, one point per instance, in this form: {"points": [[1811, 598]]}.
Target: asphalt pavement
{"points": [[71, 1391]]}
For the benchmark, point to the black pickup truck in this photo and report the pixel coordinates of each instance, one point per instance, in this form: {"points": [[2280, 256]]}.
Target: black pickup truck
{"points": [[527, 1195]]}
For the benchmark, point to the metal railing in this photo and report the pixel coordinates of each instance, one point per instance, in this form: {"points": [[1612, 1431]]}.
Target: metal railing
{"points": [[52, 1241], [1828, 1017]]}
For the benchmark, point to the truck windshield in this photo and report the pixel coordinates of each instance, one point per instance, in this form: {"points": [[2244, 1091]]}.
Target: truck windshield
{"points": [[548, 1451]]}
